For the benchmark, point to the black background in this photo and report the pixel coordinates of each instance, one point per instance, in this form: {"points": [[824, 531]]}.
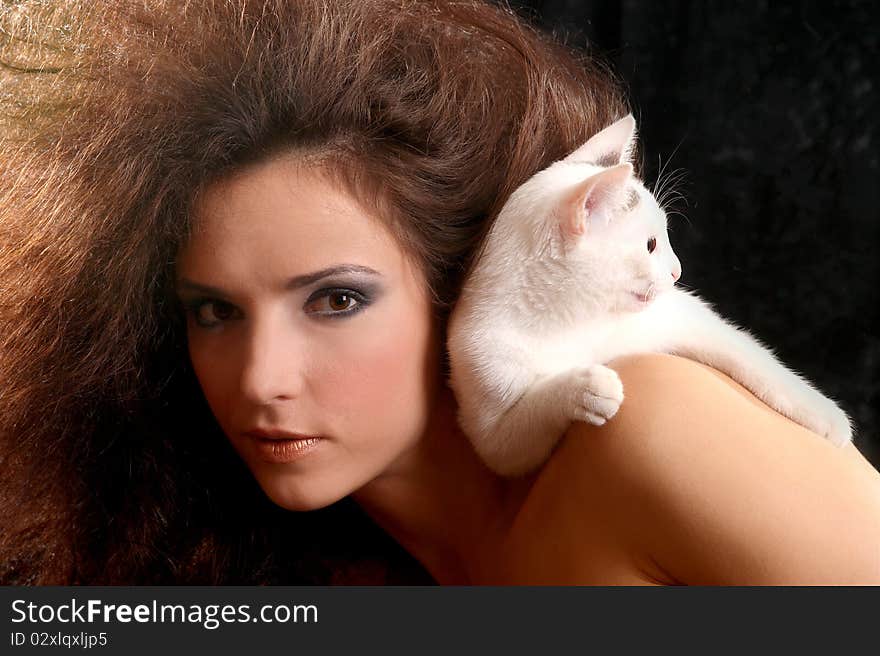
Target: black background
{"points": [[772, 111]]}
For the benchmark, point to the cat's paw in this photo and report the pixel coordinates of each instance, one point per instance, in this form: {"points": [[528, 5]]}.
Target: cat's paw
{"points": [[827, 420], [837, 426], [595, 394]]}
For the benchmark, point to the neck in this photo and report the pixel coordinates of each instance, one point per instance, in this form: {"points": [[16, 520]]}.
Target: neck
{"points": [[442, 504]]}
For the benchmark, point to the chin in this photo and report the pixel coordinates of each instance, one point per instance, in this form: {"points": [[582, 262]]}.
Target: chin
{"points": [[301, 503], [632, 303], [302, 496]]}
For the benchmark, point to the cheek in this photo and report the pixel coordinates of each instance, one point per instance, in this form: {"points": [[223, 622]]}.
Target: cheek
{"points": [[381, 378], [214, 379], [637, 265]]}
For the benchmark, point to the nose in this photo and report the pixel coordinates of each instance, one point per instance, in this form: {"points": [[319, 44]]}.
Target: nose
{"points": [[271, 368]]}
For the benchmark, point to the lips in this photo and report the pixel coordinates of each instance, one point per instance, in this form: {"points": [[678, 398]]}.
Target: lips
{"points": [[278, 434], [647, 296], [280, 446]]}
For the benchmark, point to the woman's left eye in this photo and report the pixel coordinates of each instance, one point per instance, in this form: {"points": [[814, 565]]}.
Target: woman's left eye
{"points": [[336, 302], [210, 313]]}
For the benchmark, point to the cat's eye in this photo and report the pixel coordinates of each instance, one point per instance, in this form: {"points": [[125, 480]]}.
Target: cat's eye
{"points": [[652, 244]]}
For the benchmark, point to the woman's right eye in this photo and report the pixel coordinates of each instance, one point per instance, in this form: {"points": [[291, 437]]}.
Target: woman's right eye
{"points": [[209, 313]]}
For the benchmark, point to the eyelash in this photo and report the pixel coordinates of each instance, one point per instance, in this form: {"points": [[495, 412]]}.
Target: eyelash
{"points": [[362, 301]]}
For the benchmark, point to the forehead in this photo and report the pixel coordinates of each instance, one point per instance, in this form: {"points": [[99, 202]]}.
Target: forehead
{"points": [[640, 213], [278, 218], [286, 199]]}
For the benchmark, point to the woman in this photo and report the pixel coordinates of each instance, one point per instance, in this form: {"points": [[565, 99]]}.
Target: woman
{"points": [[232, 237]]}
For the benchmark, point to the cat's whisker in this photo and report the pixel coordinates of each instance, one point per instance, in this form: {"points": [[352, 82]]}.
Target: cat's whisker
{"points": [[671, 179], [662, 168], [657, 186], [668, 196], [671, 213], [665, 186], [671, 198]]}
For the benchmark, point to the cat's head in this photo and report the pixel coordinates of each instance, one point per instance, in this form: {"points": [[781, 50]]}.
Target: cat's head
{"points": [[604, 225]]}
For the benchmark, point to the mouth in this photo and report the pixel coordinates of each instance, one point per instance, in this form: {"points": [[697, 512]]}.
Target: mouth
{"points": [[279, 446], [278, 434], [645, 297]]}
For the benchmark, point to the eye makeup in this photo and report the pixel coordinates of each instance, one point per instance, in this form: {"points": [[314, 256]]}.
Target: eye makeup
{"points": [[363, 292], [339, 275]]}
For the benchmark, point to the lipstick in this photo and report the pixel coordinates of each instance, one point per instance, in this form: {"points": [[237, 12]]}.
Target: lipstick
{"points": [[280, 447]]}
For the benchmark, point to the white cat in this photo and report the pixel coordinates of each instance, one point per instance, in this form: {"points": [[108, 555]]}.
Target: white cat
{"points": [[577, 270]]}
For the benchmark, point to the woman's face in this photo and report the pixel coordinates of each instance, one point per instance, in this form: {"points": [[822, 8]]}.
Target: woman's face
{"points": [[304, 317]]}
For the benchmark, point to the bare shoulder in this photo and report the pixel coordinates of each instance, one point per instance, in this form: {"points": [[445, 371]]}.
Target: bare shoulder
{"points": [[699, 477], [676, 410]]}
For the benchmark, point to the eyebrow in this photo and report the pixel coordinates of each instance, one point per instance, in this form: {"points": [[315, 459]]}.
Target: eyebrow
{"points": [[296, 282]]}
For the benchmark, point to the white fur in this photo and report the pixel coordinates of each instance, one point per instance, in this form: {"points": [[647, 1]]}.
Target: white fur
{"points": [[566, 283]]}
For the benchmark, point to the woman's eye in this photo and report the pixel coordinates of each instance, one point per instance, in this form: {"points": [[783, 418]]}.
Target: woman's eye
{"points": [[336, 302], [652, 244], [211, 313], [340, 302], [330, 303]]}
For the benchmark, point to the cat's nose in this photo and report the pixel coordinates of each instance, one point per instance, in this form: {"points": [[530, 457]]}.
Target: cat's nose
{"points": [[676, 275]]}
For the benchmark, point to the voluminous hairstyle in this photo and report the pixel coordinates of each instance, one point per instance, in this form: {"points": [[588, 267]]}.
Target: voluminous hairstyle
{"points": [[114, 116]]}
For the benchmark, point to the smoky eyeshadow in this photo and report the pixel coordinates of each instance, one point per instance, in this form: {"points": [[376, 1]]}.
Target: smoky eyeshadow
{"points": [[362, 285]]}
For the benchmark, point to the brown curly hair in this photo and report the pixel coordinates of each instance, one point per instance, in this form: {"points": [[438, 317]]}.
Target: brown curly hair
{"points": [[113, 117]]}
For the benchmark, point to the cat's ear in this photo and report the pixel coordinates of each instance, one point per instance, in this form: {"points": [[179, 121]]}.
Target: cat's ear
{"points": [[610, 147], [594, 201]]}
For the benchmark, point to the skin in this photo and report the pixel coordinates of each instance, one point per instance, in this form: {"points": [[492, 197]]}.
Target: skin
{"points": [[693, 481], [697, 481]]}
